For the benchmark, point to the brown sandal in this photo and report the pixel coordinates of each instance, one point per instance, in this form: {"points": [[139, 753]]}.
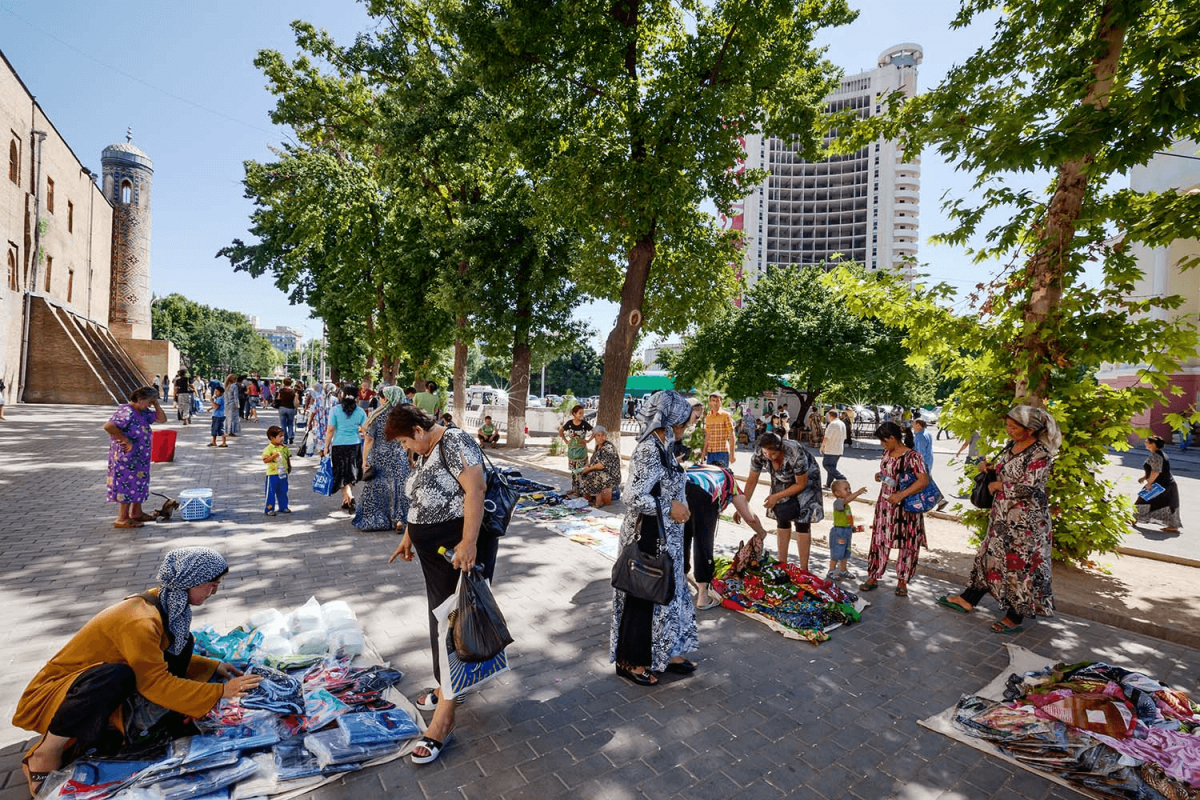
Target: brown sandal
{"points": [[128, 523]]}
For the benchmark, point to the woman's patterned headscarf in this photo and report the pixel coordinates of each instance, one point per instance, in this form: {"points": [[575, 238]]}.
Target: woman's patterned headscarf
{"points": [[392, 396], [181, 570], [664, 409], [1040, 423]]}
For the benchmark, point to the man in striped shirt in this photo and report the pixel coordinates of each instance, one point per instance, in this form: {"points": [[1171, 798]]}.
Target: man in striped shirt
{"points": [[720, 446]]}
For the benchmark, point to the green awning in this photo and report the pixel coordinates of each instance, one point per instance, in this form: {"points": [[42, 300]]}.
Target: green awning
{"points": [[638, 385]]}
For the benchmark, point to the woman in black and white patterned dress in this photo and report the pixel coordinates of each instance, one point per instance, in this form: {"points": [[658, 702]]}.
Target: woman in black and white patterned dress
{"points": [[445, 490], [646, 638]]}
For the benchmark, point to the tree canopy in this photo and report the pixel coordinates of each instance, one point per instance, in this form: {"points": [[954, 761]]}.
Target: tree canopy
{"points": [[1077, 94], [212, 341]]}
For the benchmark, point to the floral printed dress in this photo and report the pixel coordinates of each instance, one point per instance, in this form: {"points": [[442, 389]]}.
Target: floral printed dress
{"points": [[893, 526], [1013, 564], [129, 473], [384, 501], [673, 626]]}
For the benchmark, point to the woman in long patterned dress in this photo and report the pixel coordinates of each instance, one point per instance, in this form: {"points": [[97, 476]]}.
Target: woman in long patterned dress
{"points": [[1163, 509], [383, 504], [645, 637], [233, 403], [319, 418], [894, 526], [129, 455], [603, 474], [1013, 563]]}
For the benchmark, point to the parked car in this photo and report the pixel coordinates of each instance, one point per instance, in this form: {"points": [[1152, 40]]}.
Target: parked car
{"points": [[552, 400], [864, 414], [534, 402]]}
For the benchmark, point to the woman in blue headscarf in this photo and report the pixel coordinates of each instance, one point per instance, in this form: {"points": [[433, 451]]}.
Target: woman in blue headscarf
{"points": [[140, 646], [646, 637]]}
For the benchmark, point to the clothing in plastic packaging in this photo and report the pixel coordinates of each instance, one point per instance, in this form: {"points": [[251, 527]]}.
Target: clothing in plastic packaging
{"points": [[331, 749], [279, 692], [198, 784], [377, 727]]}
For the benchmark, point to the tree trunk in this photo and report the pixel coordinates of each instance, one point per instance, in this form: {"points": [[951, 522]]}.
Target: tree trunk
{"points": [[618, 350], [460, 377], [1047, 268], [518, 392]]}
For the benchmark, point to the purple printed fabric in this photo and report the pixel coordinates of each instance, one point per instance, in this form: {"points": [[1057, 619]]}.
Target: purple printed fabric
{"points": [[129, 473], [1177, 753]]}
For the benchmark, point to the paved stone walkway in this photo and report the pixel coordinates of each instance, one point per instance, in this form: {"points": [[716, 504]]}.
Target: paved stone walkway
{"points": [[764, 716]]}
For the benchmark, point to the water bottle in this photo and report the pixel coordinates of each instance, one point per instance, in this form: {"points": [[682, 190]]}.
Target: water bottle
{"points": [[447, 553]]}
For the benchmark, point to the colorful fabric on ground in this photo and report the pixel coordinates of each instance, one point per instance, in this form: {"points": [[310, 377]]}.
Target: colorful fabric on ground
{"points": [[1052, 720], [798, 600]]}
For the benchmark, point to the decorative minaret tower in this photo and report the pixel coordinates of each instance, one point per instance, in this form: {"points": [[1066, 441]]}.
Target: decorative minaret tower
{"points": [[128, 174]]}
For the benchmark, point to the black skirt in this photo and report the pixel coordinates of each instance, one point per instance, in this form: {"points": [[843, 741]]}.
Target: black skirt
{"points": [[347, 464]]}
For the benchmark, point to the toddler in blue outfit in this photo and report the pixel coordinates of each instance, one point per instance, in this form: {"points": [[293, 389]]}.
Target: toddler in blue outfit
{"points": [[843, 530]]}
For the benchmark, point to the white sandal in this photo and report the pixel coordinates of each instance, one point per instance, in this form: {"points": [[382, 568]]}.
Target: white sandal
{"points": [[432, 746], [428, 700]]}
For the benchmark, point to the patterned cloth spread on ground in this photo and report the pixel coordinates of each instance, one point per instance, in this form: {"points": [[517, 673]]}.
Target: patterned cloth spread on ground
{"points": [[1113, 731], [798, 602], [598, 530]]}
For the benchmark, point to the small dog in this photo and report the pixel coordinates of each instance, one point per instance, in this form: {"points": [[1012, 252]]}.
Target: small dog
{"points": [[168, 508]]}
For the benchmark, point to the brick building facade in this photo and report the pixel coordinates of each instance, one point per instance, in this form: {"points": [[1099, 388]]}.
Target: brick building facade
{"points": [[57, 339]]}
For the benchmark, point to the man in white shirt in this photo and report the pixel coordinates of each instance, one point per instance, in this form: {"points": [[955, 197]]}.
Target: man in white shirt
{"points": [[832, 447]]}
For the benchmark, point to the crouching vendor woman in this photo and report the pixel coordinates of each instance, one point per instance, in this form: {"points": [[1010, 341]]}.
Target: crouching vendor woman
{"points": [[138, 648]]}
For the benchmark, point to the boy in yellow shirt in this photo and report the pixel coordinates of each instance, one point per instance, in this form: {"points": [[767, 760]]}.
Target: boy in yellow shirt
{"points": [[278, 459]]}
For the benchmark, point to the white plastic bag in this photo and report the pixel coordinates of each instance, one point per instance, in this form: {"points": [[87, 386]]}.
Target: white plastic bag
{"points": [[306, 618]]}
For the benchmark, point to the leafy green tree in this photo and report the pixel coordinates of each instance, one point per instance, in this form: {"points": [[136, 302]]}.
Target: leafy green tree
{"points": [[1077, 94], [791, 326], [212, 341], [631, 116], [577, 372]]}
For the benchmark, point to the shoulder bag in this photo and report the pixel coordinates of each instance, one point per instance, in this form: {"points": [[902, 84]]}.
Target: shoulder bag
{"points": [[924, 500], [981, 494], [642, 575], [499, 496]]}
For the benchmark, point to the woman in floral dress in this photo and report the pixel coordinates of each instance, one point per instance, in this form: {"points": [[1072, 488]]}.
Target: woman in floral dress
{"points": [[233, 401], [894, 526], [599, 478], [129, 455], [1013, 564], [645, 637], [383, 504]]}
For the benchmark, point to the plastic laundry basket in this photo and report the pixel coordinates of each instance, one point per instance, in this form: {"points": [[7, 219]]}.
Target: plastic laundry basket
{"points": [[195, 504]]}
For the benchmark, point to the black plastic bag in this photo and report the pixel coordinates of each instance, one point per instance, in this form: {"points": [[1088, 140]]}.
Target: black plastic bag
{"points": [[480, 632]]}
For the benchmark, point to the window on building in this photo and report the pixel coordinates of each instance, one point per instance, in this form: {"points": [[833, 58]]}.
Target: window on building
{"points": [[70, 217], [50, 195], [49, 269], [70, 284], [12, 270], [126, 192], [14, 162]]}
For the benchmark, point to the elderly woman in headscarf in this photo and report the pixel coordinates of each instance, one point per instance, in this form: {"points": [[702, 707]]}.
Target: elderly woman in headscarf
{"points": [[383, 504], [603, 474], [141, 646], [1013, 563], [645, 637]]}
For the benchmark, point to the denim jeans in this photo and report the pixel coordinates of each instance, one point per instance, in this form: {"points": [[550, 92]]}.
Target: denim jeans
{"points": [[832, 472], [719, 459], [287, 421]]}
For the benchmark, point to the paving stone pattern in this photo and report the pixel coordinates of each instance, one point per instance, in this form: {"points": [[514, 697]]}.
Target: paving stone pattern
{"points": [[764, 717]]}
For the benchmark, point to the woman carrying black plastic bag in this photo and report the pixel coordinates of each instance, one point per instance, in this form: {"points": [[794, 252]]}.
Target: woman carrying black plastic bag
{"points": [[446, 488]]}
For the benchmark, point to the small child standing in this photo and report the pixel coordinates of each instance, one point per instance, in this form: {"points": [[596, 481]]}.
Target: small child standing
{"points": [[218, 417], [843, 530], [278, 459]]}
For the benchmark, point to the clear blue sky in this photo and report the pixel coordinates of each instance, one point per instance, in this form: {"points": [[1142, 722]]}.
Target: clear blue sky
{"points": [[181, 74]]}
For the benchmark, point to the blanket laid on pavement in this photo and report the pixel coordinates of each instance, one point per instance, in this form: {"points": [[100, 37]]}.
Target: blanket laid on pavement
{"points": [[1102, 730]]}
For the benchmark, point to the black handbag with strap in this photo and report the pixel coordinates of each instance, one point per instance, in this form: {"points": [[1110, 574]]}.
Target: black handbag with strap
{"points": [[981, 493], [644, 575]]}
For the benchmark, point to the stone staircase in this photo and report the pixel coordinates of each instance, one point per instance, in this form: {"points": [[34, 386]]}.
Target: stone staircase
{"points": [[75, 360]]}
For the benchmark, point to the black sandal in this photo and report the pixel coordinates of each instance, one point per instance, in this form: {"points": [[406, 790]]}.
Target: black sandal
{"points": [[684, 667], [644, 678]]}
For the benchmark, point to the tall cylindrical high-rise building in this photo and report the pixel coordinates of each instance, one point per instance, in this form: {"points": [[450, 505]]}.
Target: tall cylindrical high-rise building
{"points": [[128, 174]]}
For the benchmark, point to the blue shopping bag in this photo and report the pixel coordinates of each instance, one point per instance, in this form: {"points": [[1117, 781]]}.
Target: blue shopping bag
{"points": [[323, 480]]}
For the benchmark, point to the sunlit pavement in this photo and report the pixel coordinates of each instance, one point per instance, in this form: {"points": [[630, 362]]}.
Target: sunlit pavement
{"points": [[763, 716]]}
